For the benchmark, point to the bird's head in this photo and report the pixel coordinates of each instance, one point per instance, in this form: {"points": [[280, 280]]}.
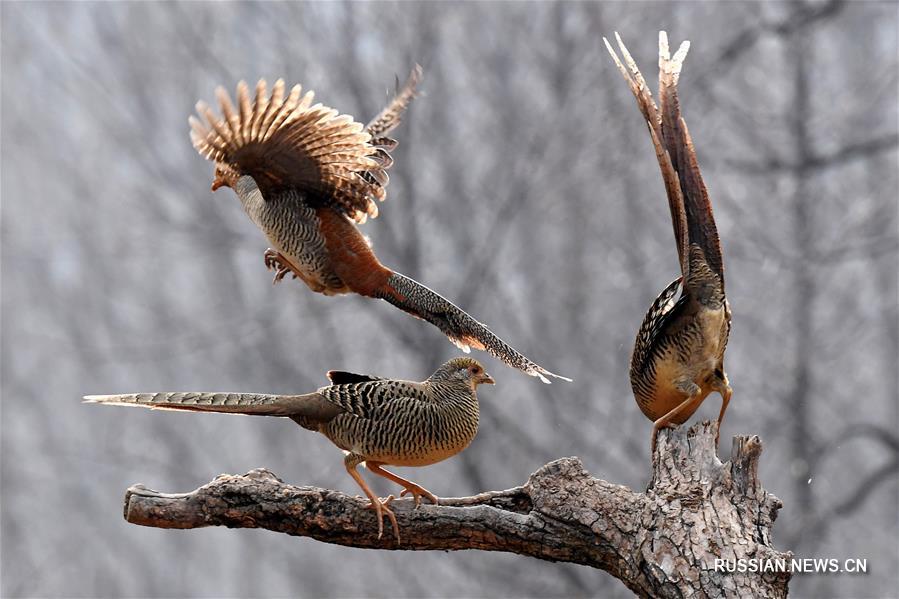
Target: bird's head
{"points": [[225, 176], [463, 370]]}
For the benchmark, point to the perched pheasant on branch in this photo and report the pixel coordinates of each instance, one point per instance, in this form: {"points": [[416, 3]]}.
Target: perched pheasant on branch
{"points": [[306, 176], [376, 421], [678, 358]]}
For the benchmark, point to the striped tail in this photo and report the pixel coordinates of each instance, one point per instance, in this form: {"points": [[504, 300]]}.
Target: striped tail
{"points": [[698, 246], [463, 330], [701, 229], [227, 403]]}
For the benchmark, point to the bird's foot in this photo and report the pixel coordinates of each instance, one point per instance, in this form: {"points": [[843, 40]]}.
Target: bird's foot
{"points": [[655, 433], [417, 493], [275, 260], [381, 509]]}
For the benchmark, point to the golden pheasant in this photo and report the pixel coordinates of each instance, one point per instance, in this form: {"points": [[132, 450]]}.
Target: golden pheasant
{"points": [[376, 421], [678, 357], [306, 176]]}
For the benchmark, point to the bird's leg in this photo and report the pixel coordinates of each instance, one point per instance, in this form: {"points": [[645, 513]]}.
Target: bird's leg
{"points": [[726, 392], [275, 260], [694, 394], [379, 506], [410, 487]]}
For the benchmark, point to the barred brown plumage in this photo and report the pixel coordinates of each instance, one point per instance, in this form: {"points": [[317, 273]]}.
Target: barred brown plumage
{"points": [[678, 356], [376, 421], [306, 176]]}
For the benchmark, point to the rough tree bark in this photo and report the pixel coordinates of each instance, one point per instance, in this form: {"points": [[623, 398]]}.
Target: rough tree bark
{"points": [[660, 543]]}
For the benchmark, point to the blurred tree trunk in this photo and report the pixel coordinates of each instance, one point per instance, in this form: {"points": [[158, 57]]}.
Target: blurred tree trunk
{"points": [[805, 288]]}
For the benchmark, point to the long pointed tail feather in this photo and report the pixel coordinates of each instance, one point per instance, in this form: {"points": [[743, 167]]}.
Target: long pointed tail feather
{"points": [[463, 330], [691, 210], [670, 175], [311, 405], [701, 229]]}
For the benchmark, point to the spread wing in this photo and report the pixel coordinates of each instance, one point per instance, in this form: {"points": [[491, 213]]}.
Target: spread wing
{"points": [[291, 142], [387, 120], [391, 116]]}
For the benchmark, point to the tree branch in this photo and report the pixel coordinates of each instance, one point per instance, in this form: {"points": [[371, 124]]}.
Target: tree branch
{"points": [[661, 543], [847, 153]]}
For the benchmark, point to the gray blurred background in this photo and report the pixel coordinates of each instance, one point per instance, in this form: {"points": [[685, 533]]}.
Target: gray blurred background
{"points": [[525, 189]]}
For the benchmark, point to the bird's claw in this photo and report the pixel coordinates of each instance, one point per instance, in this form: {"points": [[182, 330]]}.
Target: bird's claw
{"points": [[272, 258], [275, 261], [417, 493], [381, 509], [279, 274]]}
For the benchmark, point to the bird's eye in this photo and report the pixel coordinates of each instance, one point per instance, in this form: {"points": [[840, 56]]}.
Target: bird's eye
{"points": [[475, 370]]}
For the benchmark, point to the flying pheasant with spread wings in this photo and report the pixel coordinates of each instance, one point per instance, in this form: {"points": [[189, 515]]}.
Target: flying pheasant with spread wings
{"points": [[307, 176], [678, 357]]}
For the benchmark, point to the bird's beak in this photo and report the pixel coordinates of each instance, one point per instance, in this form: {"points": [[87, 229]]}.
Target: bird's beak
{"points": [[486, 379], [218, 182]]}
